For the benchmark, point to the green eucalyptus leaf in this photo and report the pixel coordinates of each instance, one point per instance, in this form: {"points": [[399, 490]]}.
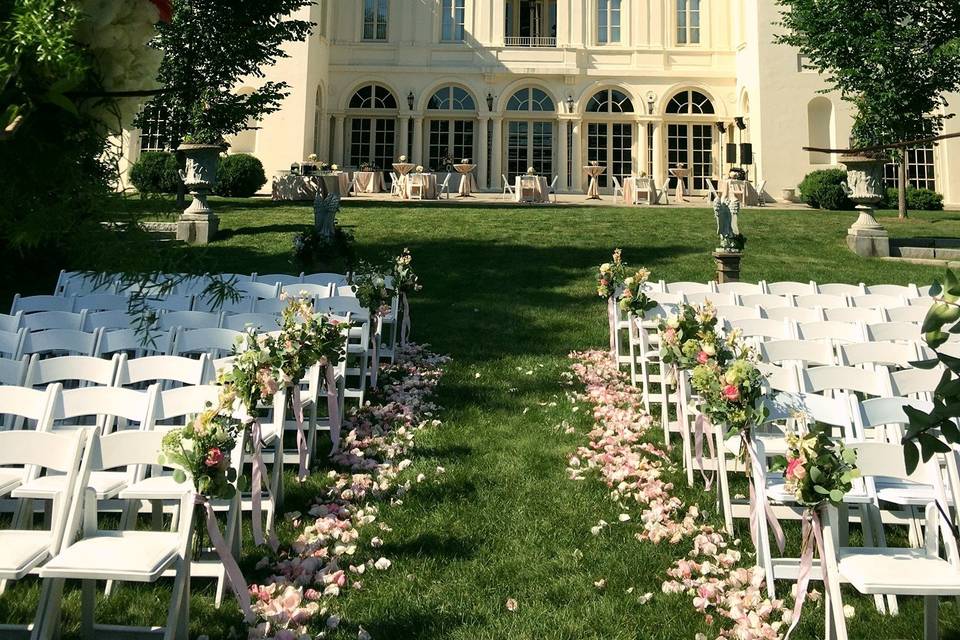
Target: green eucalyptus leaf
{"points": [[822, 491], [179, 476], [836, 496], [815, 474], [911, 456], [936, 288]]}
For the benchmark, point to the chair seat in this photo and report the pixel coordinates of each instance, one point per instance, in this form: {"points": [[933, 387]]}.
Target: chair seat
{"points": [[106, 483], [909, 572], [21, 551], [156, 488], [907, 494], [135, 556], [777, 492], [10, 479]]}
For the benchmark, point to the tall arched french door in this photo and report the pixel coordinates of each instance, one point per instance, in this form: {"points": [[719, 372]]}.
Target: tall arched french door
{"points": [[530, 133], [690, 139]]}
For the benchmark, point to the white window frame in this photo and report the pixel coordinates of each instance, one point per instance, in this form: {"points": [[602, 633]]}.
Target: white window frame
{"points": [[376, 24], [605, 23], [450, 9], [688, 31]]}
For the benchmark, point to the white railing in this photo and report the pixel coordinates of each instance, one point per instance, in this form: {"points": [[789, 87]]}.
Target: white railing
{"points": [[526, 41]]}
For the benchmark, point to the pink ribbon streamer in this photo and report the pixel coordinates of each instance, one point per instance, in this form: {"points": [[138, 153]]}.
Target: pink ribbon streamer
{"points": [[405, 326], [612, 321], [702, 423], [231, 569], [756, 517], [256, 489], [333, 407], [301, 436], [375, 367], [810, 535]]}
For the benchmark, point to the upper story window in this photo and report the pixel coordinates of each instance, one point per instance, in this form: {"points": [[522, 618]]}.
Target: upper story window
{"points": [[373, 96], [530, 100], [610, 101], [155, 134], [453, 12], [375, 19], [690, 103], [452, 99], [608, 21], [688, 21]]}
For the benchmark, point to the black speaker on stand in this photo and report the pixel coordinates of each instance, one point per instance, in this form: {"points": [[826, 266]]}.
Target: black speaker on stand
{"points": [[746, 153]]}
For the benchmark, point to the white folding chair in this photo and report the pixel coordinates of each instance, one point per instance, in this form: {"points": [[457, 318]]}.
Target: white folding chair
{"points": [[854, 314], [507, 188], [822, 301], [788, 288], [260, 321], [841, 289], [70, 283], [617, 189], [416, 185], [136, 372], [10, 323], [218, 343], [44, 320], [891, 571], [792, 313], [444, 187], [832, 332], [878, 301], [766, 300], [713, 195], [312, 290], [11, 343], [552, 189], [893, 332], [93, 302], [716, 299], [335, 279], [880, 356], [60, 342], [269, 305], [259, 289], [688, 288], [915, 383], [395, 186], [908, 291], [762, 329], [71, 370], [283, 279], [911, 313], [761, 196], [734, 312], [132, 556], [798, 352], [33, 304], [740, 288], [108, 320], [169, 303], [189, 320], [130, 341]]}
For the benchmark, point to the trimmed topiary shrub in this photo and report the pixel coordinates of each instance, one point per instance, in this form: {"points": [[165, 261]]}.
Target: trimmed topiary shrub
{"points": [[155, 172], [239, 176], [917, 199], [822, 190]]}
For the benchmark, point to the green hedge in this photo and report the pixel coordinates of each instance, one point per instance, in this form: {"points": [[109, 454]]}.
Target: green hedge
{"points": [[917, 199], [155, 172], [822, 190], [239, 176]]}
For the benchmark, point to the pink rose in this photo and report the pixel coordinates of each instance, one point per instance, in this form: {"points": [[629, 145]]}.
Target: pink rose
{"points": [[214, 457], [268, 384], [731, 392], [670, 335], [795, 470], [702, 357]]}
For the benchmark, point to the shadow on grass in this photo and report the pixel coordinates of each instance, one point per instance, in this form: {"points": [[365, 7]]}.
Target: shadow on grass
{"points": [[440, 546]]}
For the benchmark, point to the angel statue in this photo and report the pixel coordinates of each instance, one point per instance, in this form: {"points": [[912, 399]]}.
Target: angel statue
{"points": [[325, 208], [727, 213]]}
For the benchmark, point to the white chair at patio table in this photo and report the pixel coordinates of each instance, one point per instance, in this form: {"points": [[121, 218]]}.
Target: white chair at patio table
{"points": [[396, 186], [891, 571], [552, 189], [527, 189], [444, 187], [128, 556], [507, 188], [415, 186], [617, 189], [23, 551]]}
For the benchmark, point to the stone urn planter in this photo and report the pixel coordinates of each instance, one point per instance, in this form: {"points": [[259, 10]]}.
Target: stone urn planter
{"points": [[865, 188], [198, 224]]}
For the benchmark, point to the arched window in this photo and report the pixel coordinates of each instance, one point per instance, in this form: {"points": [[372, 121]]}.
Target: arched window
{"points": [[819, 128], [690, 103], [531, 99], [610, 101], [373, 96], [452, 99]]}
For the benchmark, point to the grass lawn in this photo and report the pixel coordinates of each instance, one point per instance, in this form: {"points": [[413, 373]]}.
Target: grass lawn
{"points": [[509, 292]]}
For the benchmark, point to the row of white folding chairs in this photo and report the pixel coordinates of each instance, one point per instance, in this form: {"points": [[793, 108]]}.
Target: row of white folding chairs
{"points": [[80, 283], [105, 410], [909, 291], [873, 427], [823, 301]]}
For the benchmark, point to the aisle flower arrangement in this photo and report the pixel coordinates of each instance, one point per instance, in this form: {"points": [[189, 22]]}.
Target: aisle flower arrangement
{"points": [[730, 385], [689, 338], [610, 276], [731, 597], [634, 299]]}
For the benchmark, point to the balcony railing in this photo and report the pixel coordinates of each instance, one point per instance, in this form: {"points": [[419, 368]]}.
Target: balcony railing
{"points": [[530, 42]]}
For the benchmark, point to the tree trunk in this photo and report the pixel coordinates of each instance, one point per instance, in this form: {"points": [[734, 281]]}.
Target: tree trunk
{"points": [[902, 185]]}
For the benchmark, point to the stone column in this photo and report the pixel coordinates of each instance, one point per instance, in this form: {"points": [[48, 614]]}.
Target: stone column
{"points": [[480, 144], [562, 155], [577, 156], [496, 167], [404, 136], [323, 138], [416, 153], [659, 159], [338, 148], [643, 149]]}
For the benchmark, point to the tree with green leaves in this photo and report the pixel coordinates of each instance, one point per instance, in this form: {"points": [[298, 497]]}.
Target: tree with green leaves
{"points": [[209, 47], [894, 60]]}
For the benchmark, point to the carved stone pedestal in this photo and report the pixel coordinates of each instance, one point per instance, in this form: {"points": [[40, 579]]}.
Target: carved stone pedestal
{"points": [[197, 228], [728, 266]]}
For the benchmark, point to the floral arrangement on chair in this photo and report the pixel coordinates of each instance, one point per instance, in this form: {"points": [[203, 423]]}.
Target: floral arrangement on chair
{"points": [[405, 281], [307, 339], [690, 338], [730, 385], [818, 471], [611, 275], [634, 299]]}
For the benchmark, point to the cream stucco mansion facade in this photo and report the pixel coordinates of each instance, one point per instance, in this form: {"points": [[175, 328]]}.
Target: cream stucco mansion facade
{"points": [[636, 85]]}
